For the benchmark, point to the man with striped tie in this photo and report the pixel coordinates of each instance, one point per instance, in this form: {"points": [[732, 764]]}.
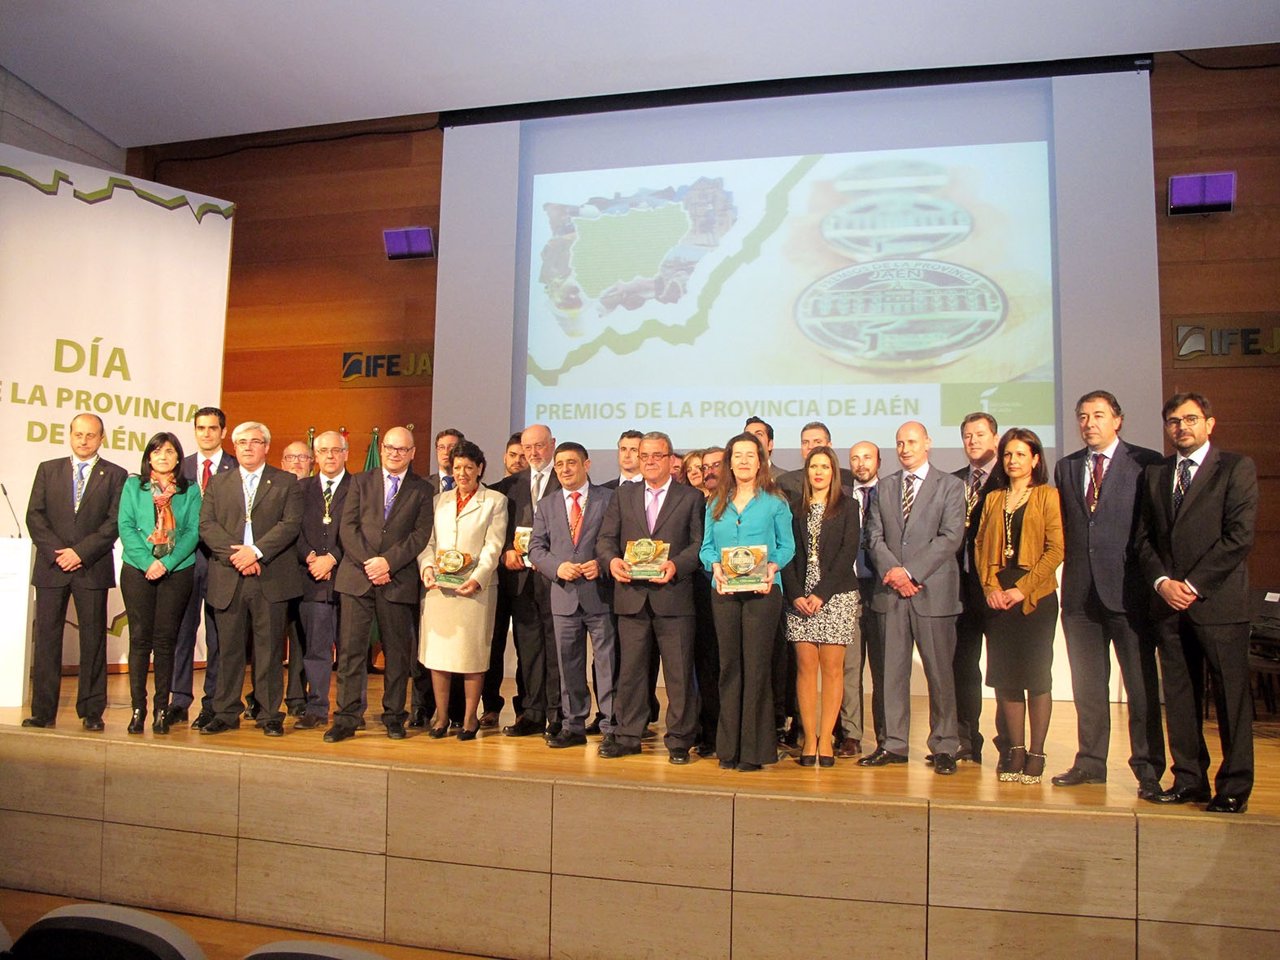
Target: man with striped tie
{"points": [[914, 530]]}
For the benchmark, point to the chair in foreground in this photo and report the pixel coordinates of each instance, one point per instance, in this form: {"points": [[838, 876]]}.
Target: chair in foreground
{"points": [[309, 950], [103, 931]]}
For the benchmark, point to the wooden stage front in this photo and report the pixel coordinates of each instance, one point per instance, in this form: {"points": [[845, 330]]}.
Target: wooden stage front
{"points": [[503, 847]]}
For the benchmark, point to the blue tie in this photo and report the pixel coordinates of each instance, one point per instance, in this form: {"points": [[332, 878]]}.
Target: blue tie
{"points": [[391, 495]]}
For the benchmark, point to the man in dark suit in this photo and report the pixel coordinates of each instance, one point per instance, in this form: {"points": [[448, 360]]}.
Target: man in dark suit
{"points": [[208, 461], [657, 612], [530, 595], [915, 529], [864, 464], [1195, 531], [72, 519], [319, 549], [980, 436], [386, 521], [249, 520], [446, 440], [1104, 599], [812, 436], [562, 548]]}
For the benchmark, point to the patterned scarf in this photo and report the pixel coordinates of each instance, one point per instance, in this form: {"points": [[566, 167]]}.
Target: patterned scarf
{"points": [[163, 487]]}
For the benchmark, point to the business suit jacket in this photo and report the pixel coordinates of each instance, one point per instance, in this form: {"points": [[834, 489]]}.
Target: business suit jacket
{"points": [[54, 523], [277, 518], [791, 484], [837, 552], [519, 514], [679, 525], [189, 469], [1207, 544], [1039, 547], [927, 546], [552, 545], [399, 537], [321, 537], [1099, 545]]}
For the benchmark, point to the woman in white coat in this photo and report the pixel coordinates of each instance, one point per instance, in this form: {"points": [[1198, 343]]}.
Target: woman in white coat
{"points": [[459, 569]]}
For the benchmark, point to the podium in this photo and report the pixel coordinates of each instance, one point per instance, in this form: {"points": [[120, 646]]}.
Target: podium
{"points": [[17, 558]]}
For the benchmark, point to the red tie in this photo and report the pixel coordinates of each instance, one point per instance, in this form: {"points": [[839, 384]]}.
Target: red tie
{"points": [[575, 517], [1095, 482], [204, 477]]}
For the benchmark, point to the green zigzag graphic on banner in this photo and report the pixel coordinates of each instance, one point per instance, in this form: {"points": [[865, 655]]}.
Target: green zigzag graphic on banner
{"points": [[624, 343], [107, 192]]}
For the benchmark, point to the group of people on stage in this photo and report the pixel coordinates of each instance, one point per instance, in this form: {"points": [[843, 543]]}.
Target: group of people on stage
{"points": [[757, 591]]}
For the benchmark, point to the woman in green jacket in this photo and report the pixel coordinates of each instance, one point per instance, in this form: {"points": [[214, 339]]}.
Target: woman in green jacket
{"points": [[159, 527]]}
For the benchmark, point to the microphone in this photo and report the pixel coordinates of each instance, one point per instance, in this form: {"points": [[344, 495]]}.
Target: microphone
{"points": [[11, 510]]}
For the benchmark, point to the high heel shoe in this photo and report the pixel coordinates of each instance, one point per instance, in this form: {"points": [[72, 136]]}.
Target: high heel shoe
{"points": [[825, 761], [137, 722], [1034, 768], [438, 733], [807, 759], [465, 734], [160, 720], [1011, 764]]}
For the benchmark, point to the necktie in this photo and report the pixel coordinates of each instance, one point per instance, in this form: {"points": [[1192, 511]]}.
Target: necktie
{"points": [[205, 475], [81, 469], [1095, 481], [575, 517], [447, 483], [862, 565], [651, 512], [392, 489], [971, 495], [328, 497], [537, 490], [908, 496], [1182, 484]]}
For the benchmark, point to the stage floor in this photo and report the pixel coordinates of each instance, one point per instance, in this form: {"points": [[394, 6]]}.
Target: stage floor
{"points": [[494, 753]]}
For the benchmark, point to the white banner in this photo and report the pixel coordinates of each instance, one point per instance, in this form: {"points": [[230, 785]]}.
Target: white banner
{"points": [[113, 299]]}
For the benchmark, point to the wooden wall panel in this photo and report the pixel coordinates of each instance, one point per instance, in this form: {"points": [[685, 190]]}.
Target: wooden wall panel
{"points": [[1225, 265]]}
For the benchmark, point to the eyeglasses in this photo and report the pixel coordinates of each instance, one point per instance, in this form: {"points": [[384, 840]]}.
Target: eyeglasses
{"points": [[398, 451], [296, 458], [325, 451], [1190, 420], [251, 442], [653, 457]]}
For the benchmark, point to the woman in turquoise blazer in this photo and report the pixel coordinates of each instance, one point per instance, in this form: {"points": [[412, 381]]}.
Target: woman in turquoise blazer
{"points": [[159, 524]]}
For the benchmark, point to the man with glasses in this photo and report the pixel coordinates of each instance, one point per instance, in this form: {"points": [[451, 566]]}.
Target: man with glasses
{"points": [[249, 520], [320, 551], [1195, 531], [386, 522]]}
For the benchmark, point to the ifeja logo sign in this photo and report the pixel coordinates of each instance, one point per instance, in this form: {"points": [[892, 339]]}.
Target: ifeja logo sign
{"points": [[378, 368], [1227, 342]]}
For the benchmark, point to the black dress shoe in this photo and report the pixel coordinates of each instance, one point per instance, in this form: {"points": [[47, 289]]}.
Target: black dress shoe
{"points": [[824, 761], [160, 721], [297, 709], [95, 724], [37, 722], [252, 710], [273, 728], [1148, 790], [728, 764], [881, 758], [706, 749], [553, 729], [175, 714], [418, 720], [593, 728], [339, 732], [567, 738], [202, 720], [1075, 777], [218, 725], [395, 730], [944, 764], [309, 721], [614, 749], [1184, 795], [745, 766], [137, 722], [523, 727], [807, 760], [488, 719], [464, 734], [435, 733], [1222, 803], [679, 756]]}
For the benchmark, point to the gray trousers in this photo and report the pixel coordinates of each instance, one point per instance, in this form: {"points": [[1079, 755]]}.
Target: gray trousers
{"points": [[571, 653], [935, 637]]}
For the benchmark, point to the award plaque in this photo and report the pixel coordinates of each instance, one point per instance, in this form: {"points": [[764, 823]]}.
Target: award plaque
{"points": [[521, 543], [745, 568], [453, 568], [645, 557]]}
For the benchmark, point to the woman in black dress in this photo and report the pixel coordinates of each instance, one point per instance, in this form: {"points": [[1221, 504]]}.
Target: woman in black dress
{"points": [[1018, 550]]}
